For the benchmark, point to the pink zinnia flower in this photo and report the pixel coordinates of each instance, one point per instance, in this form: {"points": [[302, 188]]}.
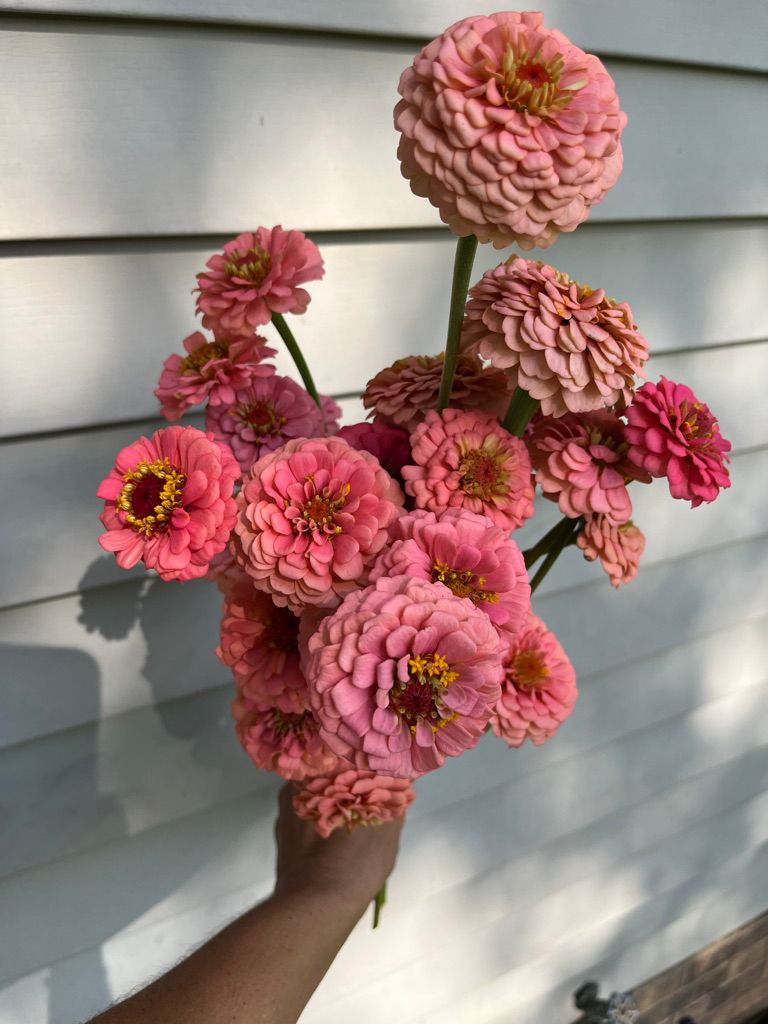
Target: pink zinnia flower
{"points": [[619, 548], [262, 417], [168, 502], [312, 517], [673, 434], [510, 130], [539, 691], [256, 275], [280, 740], [390, 445], [568, 346], [212, 370], [330, 415], [468, 460], [260, 643], [350, 798], [402, 675], [469, 554], [402, 394], [581, 463]]}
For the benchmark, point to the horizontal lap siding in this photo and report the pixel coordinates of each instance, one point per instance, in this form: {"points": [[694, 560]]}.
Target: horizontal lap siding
{"points": [[623, 845]]}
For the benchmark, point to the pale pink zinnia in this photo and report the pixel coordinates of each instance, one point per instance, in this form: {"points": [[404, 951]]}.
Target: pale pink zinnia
{"points": [[619, 548], [263, 416], [390, 445], [260, 643], [403, 393], [257, 274], [567, 345], [468, 460], [673, 434], [211, 370], [168, 502], [280, 740], [510, 130], [472, 556], [313, 516], [402, 675], [539, 690], [350, 798], [581, 463]]}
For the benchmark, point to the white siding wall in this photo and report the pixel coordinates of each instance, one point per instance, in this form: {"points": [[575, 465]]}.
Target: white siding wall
{"points": [[136, 136]]}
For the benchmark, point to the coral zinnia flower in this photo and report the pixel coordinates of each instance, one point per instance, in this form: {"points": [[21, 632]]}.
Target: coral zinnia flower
{"points": [[404, 392], [402, 675], [568, 346], [673, 434], [313, 515], [280, 740], [468, 460], [469, 554], [256, 275], [263, 416], [212, 370], [581, 463], [390, 445], [350, 798], [539, 691], [619, 548], [168, 502], [510, 130]]}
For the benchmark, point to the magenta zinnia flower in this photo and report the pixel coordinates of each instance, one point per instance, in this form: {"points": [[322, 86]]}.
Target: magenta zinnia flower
{"points": [[256, 275], [212, 370], [468, 460], [673, 434], [469, 554], [539, 690], [402, 675], [581, 463], [280, 740], [402, 394], [619, 548], [313, 515], [168, 502], [568, 346], [510, 130], [262, 417], [390, 445], [350, 798]]}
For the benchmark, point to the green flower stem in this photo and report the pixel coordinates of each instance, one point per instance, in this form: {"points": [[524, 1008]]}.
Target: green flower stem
{"points": [[542, 546], [462, 271], [378, 903], [567, 530], [520, 410], [293, 347]]}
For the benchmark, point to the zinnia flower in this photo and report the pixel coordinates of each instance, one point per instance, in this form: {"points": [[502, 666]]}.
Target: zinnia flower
{"points": [[510, 130], [168, 502], [390, 445], [330, 415], [286, 742], [263, 416], [256, 275], [212, 370], [673, 434], [312, 517], [402, 394], [539, 690], [468, 460], [402, 675], [260, 643], [568, 346], [581, 463], [350, 798], [469, 554], [619, 548]]}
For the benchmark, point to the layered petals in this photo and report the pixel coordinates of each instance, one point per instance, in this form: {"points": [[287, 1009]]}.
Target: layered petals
{"points": [[351, 797], [619, 548]]}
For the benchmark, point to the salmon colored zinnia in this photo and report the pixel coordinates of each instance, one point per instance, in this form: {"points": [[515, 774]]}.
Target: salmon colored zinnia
{"points": [[619, 548], [281, 740], [350, 798]]}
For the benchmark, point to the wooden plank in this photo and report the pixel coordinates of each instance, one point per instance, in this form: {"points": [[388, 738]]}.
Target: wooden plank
{"points": [[688, 32], [102, 317], [131, 111]]}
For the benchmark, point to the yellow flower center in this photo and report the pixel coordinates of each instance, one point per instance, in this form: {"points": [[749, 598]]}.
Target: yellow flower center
{"points": [[420, 698], [531, 83], [196, 360], [481, 471], [152, 491], [528, 670], [252, 265], [463, 584], [319, 511]]}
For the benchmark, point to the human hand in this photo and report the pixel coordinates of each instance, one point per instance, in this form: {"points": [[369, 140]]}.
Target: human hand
{"points": [[350, 867]]}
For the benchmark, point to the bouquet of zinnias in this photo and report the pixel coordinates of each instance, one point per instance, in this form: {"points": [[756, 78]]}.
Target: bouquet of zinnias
{"points": [[377, 608]]}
